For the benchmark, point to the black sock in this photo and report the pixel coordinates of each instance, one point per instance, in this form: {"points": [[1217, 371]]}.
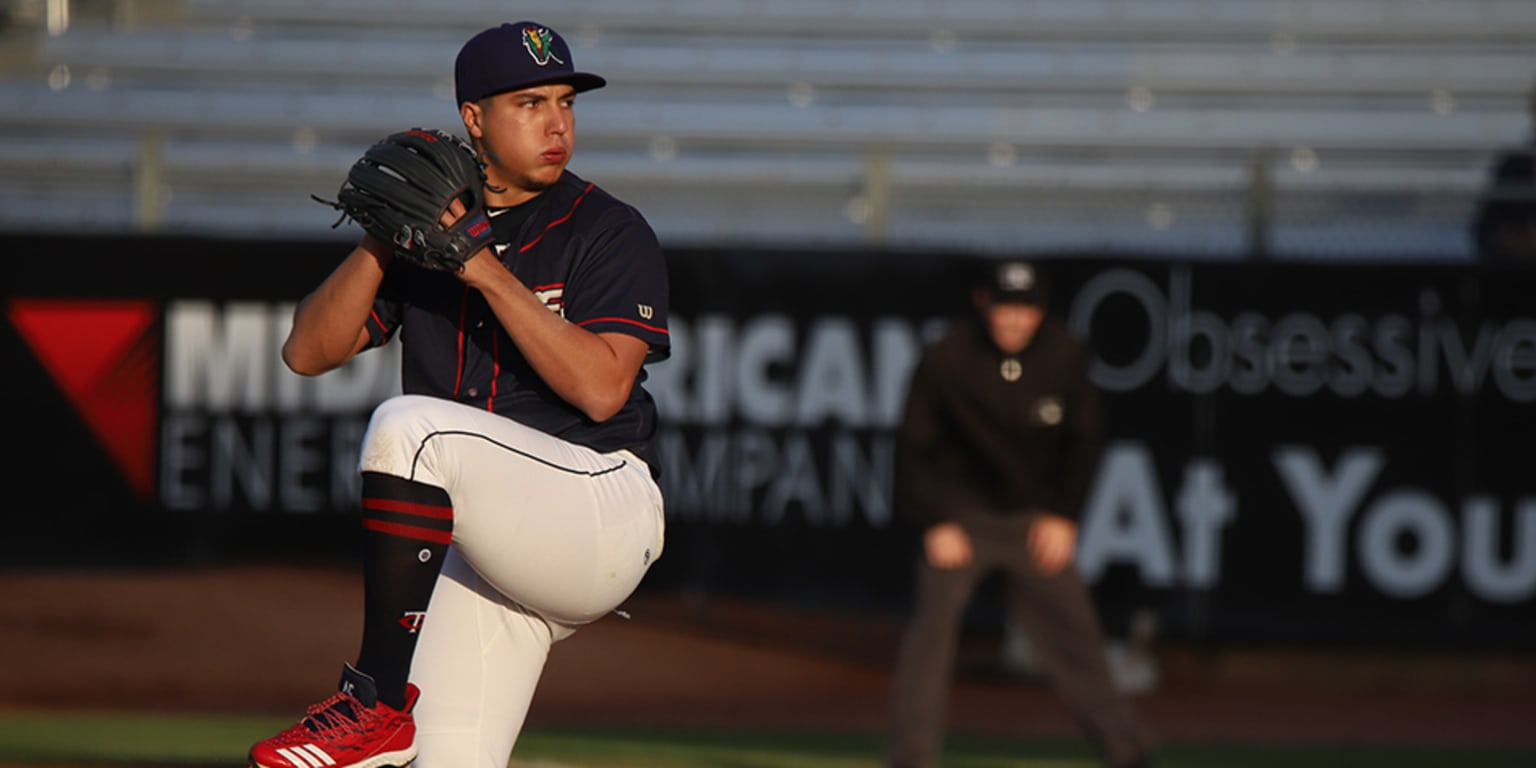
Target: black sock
{"points": [[406, 530]]}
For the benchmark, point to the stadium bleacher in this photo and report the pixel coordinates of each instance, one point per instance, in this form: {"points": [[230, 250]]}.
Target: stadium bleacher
{"points": [[1350, 129]]}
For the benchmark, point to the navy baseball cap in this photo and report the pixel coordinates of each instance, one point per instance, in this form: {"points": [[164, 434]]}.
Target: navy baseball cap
{"points": [[516, 56]]}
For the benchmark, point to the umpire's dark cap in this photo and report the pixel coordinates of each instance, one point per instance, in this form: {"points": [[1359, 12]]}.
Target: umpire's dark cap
{"points": [[1013, 281], [516, 56]]}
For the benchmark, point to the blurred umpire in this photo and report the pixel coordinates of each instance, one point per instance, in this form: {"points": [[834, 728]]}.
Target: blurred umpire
{"points": [[998, 443]]}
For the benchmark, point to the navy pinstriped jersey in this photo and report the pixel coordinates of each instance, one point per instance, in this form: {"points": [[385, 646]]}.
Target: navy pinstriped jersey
{"points": [[588, 256]]}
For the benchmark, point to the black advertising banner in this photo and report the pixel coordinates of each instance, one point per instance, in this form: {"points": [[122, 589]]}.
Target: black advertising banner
{"points": [[1314, 453], [788, 374], [1297, 452], [158, 426]]}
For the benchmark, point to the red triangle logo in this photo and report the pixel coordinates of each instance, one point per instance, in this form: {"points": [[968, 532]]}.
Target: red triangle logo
{"points": [[106, 361]]}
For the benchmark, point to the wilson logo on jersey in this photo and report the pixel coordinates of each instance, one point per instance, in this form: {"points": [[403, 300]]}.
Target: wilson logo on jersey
{"points": [[104, 355]]}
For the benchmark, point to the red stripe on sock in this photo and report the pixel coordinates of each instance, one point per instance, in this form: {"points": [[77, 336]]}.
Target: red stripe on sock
{"points": [[409, 508], [409, 531]]}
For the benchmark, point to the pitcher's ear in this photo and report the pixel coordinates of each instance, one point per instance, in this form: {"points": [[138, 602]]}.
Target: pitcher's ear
{"points": [[471, 114]]}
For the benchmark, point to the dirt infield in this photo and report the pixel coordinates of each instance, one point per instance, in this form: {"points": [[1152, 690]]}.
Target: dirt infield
{"points": [[269, 640]]}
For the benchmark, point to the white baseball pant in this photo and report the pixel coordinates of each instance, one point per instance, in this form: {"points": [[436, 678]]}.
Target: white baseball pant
{"points": [[547, 536]]}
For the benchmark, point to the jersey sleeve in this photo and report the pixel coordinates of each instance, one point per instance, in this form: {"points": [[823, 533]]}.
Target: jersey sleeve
{"points": [[384, 319], [619, 285]]}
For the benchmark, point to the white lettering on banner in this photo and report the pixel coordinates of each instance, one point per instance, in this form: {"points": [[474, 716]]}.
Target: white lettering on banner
{"points": [[180, 459], [1329, 502], [1326, 506], [794, 421], [1413, 572], [301, 457], [765, 348], [1300, 354], [1124, 521], [241, 430], [753, 476], [715, 377], [783, 380], [796, 483], [759, 371], [221, 359], [896, 348], [833, 385], [1514, 580], [237, 463], [288, 464], [1206, 505], [228, 359]]}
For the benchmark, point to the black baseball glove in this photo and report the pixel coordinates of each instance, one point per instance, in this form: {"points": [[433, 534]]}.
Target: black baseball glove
{"points": [[400, 191]]}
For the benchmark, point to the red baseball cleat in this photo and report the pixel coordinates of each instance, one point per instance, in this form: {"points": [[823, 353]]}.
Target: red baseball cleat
{"points": [[349, 730]]}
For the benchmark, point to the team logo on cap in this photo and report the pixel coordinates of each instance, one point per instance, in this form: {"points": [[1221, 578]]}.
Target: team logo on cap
{"points": [[538, 42], [1014, 276]]}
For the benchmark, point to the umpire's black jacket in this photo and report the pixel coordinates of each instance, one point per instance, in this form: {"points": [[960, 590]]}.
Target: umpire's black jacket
{"points": [[1002, 434]]}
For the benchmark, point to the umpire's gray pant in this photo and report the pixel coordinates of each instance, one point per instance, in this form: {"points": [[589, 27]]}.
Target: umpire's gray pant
{"points": [[1058, 616]]}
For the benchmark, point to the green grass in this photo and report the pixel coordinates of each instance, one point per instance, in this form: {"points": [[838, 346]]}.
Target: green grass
{"points": [[145, 740], [129, 739]]}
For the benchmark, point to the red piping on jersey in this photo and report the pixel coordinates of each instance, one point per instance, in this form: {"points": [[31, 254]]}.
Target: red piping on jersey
{"points": [[496, 338], [495, 371], [378, 322], [625, 320], [559, 221], [458, 376]]}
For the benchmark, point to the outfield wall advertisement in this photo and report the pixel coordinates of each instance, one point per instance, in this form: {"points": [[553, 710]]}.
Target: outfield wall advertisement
{"points": [[1307, 453]]}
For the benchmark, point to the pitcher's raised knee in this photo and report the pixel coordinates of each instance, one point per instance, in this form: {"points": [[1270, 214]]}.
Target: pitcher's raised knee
{"points": [[397, 434]]}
